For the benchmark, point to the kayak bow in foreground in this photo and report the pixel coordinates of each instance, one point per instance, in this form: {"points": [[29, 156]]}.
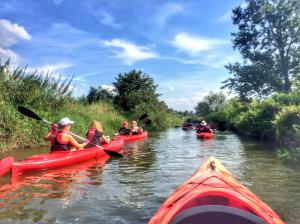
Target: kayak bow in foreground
{"points": [[213, 196]]}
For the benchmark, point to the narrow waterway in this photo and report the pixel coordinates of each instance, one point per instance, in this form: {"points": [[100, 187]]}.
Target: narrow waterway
{"points": [[129, 190]]}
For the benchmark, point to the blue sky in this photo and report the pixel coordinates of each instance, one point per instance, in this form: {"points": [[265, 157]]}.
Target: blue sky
{"points": [[183, 45]]}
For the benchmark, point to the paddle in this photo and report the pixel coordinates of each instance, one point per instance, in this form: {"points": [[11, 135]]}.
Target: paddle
{"points": [[29, 113]]}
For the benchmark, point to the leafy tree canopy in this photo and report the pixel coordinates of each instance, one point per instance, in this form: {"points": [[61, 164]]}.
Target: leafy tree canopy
{"points": [[210, 103], [99, 94], [134, 88], [268, 38]]}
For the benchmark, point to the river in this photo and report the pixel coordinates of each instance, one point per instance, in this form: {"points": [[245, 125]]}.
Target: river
{"points": [[130, 189]]}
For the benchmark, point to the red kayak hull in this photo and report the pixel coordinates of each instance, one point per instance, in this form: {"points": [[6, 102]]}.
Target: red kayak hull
{"points": [[63, 158], [213, 185], [5, 165], [133, 138], [205, 135]]}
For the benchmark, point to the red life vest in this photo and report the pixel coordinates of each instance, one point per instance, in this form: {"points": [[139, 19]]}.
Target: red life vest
{"points": [[90, 134], [52, 137], [60, 145]]}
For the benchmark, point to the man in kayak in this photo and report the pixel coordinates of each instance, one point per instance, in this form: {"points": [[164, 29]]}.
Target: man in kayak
{"points": [[203, 127], [124, 130], [95, 134], [135, 129], [63, 141]]}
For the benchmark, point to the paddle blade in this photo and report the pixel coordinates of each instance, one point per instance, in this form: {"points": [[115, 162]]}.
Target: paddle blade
{"points": [[143, 116], [113, 153], [148, 122], [29, 113]]}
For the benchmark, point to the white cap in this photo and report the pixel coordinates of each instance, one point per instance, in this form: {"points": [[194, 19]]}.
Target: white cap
{"points": [[203, 123], [65, 121]]}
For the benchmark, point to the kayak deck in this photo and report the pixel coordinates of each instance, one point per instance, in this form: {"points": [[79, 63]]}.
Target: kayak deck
{"points": [[205, 135], [5, 165], [64, 158], [211, 188], [133, 138]]}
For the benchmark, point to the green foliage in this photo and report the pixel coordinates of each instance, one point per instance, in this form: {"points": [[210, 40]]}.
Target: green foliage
{"points": [[288, 126], [268, 38], [100, 94], [134, 88], [210, 104]]}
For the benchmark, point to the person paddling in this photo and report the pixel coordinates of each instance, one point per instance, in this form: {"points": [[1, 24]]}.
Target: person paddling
{"points": [[51, 134], [135, 129], [63, 141], [124, 130], [203, 127], [95, 134]]}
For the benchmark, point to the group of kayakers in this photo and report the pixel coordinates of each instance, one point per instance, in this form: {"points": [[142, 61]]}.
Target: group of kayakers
{"points": [[62, 140], [199, 127]]}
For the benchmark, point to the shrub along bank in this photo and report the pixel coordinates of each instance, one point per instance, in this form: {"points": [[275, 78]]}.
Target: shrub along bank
{"points": [[52, 99]]}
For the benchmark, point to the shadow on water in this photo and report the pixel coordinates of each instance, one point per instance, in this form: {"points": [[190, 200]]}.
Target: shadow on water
{"points": [[129, 190]]}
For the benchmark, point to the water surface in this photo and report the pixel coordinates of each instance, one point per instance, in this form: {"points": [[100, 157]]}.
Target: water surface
{"points": [[129, 190]]}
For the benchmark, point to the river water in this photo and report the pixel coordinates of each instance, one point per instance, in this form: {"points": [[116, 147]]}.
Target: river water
{"points": [[130, 189]]}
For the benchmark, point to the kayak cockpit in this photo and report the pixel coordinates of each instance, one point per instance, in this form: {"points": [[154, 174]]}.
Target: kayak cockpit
{"points": [[216, 214]]}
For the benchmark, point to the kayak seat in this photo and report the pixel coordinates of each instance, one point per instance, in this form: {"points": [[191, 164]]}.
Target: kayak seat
{"points": [[216, 214]]}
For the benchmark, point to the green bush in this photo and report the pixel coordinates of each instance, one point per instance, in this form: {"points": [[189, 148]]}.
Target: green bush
{"points": [[287, 123]]}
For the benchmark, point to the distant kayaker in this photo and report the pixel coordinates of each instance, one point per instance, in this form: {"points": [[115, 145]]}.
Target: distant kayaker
{"points": [[63, 141], [124, 130], [51, 134], [202, 127], [135, 129], [95, 133]]}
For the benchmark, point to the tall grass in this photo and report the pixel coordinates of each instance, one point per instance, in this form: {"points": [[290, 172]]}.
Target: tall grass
{"points": [[52, 99]]}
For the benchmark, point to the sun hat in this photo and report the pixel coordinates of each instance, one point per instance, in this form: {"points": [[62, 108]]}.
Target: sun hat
{"points": [[203, 123], [65, 121]]}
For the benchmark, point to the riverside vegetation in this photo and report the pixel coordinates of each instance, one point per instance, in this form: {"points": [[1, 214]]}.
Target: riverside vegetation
{"points": [[266, 82], [53, 99]]}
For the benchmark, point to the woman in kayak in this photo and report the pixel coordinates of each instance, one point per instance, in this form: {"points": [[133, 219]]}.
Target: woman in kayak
{"points": [[135, 129], [95, 134], [124, 130], [203, 127], [50, 136], [63, 141]]}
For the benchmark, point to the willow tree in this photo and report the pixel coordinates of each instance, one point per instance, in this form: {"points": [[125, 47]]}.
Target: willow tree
{"points": [[268, 38]]}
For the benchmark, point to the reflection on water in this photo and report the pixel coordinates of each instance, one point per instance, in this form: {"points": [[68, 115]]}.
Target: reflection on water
{"points": [[129, 190]]}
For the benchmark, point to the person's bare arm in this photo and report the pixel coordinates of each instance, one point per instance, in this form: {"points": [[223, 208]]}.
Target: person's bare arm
{"points": [[75, 144], [106, 139], [47, 136]]}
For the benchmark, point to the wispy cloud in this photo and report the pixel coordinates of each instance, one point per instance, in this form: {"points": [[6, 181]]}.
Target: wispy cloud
{"points": [[6, 54], [167, 11], [193, 45], [58, 2], [107, 19], [128, 52], [54, 67], [225, 18]]}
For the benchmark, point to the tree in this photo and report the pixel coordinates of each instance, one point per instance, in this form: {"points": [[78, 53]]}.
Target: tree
{"points": [[268, 39], [211, 103], [134, 88], [100, 94]]}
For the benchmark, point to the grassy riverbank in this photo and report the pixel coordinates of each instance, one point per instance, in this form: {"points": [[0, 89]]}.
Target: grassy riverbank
{"points": [[52, 99]]}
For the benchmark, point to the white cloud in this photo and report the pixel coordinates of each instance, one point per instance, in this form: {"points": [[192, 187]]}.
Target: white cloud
{"points": [[225, 18], [11, 33], [171, 88], [167, 11], [107, 19], [194, 45], [6, 54], [109, 88], [54, 67], [128, 52]]}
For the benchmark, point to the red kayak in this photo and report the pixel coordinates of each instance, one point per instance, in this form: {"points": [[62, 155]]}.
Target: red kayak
{"points": [[213, 196], [64, 158], [5, 165], [205, 135], [133, 138]]}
